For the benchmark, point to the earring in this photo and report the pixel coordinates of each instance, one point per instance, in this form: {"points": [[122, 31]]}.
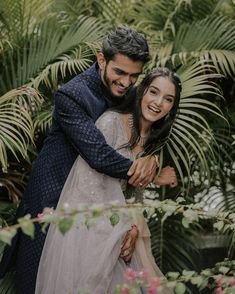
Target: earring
{"points": [[167, 116]]}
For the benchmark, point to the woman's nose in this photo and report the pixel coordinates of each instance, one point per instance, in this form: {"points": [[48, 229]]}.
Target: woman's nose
{"points": [[159, 100]]}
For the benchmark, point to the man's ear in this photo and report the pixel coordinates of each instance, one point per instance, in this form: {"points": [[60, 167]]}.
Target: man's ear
{"points": [[101, 61]]}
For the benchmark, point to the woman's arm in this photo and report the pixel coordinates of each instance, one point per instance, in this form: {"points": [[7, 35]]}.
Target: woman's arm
{"points": [[167, 176]]}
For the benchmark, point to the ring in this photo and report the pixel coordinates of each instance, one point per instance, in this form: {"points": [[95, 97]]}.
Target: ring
{"points": [[126, 252]]}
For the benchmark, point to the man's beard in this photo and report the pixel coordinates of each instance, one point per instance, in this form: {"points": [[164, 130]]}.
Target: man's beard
{"points": [[113, 99]]}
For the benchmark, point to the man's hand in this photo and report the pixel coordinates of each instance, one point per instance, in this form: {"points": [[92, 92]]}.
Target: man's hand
{"points": [[167, 176], [143, 171], [128, 244]]}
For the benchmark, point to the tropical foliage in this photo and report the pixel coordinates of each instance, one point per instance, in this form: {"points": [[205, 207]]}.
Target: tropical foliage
{"points": [[45, 43]]}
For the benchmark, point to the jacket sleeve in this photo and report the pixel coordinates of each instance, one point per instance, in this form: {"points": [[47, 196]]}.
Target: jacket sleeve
{"points": [[80, 130]]}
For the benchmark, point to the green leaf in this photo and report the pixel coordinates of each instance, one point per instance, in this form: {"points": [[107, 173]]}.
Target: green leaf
{"points": [[97, 213], [232, 216], [180, 288], [44, 228], [191, 215], [6, 235], [185, 222], [28, 229], [207, 272], [188, 274], [180, 199], [173, 275], [88, 223], [224, 270], [171, 284], [197, 281], [218, 225], [65, 225], [114, 219], [26, 225]]}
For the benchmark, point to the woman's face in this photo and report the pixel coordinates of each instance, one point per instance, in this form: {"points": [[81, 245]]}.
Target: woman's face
{"points": [[158, 100]]}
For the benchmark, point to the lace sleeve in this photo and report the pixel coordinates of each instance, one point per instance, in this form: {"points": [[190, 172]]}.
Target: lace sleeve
{"points": [[109, 125]]}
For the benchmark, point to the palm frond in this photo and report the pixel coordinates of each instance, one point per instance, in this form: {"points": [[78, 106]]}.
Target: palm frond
{"points": [[113, 12], [191, 132], [224, 60], [151, 15], [14, 182], [218, 197], [48, 47], [77, 61], [173, 246], [19, 17], [43, 120], [210, 40], [16, 126], [7, 285]]}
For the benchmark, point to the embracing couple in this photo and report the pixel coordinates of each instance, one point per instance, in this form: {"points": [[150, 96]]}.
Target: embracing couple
{"points": [[103, 135]]}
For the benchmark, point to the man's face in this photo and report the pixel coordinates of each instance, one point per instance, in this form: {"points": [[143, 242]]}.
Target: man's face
{"points": [[119, 74]]}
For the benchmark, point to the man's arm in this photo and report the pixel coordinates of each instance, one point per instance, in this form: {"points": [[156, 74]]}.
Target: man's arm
{"points": [[81, 131]]}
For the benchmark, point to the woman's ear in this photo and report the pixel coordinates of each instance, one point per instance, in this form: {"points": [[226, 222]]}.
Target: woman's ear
{"points": [[101, 60]]}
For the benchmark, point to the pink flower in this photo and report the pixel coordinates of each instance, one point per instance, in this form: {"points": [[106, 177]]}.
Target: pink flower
{"points": [[143, 275], [232, 283], [124, 291], [155, 282], [220, 281], [219, 290], [130, 275], [152, 291], [40, 215]]}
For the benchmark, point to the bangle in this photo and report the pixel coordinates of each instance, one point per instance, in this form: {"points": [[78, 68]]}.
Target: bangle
{"points": [[156, 159], [134, 226]]}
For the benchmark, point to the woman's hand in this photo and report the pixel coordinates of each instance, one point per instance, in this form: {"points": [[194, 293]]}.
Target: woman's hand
{"points": [[143, 171], [167, 176], [128, 244]]}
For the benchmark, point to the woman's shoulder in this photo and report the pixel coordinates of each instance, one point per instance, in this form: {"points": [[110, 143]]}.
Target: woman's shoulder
{"points": [[110, 116]]}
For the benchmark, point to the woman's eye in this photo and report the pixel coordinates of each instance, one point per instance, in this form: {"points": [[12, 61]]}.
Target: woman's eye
{"points": [[154, 92], [169, 99]]}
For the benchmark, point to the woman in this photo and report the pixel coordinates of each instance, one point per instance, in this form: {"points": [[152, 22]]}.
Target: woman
{"points": [[89, 260]]}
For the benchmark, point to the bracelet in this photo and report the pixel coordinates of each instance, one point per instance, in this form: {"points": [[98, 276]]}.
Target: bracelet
{"points": [[156, 159], [134, 226]]}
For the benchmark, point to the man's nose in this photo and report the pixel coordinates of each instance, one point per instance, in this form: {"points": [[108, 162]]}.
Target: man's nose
{"points": [[126, 81]]}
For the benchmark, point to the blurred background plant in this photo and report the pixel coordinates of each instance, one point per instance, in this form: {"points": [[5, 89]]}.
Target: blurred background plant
{"points": [[43, 44]]}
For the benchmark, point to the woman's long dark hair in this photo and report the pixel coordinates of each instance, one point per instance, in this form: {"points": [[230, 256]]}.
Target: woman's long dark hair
{"points": [[160, 129]]}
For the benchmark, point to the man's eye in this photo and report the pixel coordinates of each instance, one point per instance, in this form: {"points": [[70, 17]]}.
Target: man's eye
{"points": [[135, 76], [119, 72]]}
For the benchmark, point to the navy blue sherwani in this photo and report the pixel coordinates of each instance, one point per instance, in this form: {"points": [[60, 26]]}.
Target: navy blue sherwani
{"points": [[77, 106]]}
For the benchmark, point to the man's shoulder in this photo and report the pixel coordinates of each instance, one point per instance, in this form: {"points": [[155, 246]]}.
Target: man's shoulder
{"points": [[87, 79]]}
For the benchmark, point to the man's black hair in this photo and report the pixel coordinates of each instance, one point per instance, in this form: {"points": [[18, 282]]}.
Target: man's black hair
{"points": [[126, 41]]}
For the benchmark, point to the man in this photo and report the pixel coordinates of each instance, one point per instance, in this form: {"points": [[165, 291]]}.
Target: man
{"points": [[77, 106]]}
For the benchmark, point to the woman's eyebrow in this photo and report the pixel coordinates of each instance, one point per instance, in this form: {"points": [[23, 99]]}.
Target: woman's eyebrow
{"points": [[156, 88]]}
